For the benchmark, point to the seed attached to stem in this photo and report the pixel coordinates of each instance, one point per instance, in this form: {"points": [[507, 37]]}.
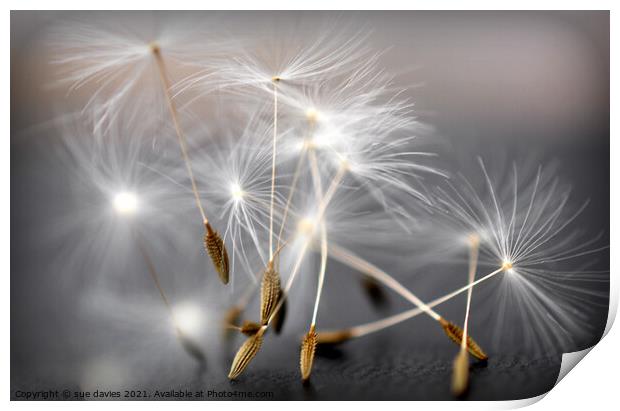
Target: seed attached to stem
{"points": [[269, 293], [250, 328], [333, 337], [460, 373], [246, 353], [456, 334], [217, 251], [308, 347]]}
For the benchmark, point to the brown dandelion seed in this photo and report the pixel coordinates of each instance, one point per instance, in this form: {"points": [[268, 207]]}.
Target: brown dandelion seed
{"points": [[333, 337], [460, 373], [456, 334], [269, 293], [217, 251], [250, 328], [246, 353], [308, 347]]}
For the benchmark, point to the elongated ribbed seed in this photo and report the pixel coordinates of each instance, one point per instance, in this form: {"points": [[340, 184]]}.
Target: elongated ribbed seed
{"points": [[217, 251], [246, 353], [456, 334], [269, 293], [308, 347]]}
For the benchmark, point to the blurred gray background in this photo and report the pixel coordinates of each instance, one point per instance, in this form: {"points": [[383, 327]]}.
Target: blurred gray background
{"points": [[532, 84]]}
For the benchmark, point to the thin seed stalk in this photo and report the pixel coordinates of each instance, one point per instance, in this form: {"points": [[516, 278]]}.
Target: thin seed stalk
{"points": [[290, 196], [365, 267], [273, 163], [460, 374], [152, 272], [322, 207], [318, 188], [185, 342], [177, 125], [374, 326], [473, 264], [218, 259], [460, 366], [293, 186], [321, 273]]}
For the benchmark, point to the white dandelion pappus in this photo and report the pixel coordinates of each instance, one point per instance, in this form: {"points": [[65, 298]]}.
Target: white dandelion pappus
{"points": [[113, 194], [522, 223], [123, 212], [361, 124], [546, 285], [114, 61], [235, 170], [288, 60], [524, 236], [144, 62]]}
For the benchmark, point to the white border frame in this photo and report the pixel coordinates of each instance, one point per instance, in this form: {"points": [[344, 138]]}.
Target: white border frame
{"points": [[592, 385]]}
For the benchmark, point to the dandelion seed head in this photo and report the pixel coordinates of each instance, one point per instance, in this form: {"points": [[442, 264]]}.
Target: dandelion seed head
{"points": [[312, 114], [306, 225], [525, 220], [507, 266], [281, 61], [236, 191], [125, 202]]}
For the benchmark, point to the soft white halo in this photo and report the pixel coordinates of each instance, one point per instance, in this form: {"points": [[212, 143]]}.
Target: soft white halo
{"points": [[125, 202]]}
